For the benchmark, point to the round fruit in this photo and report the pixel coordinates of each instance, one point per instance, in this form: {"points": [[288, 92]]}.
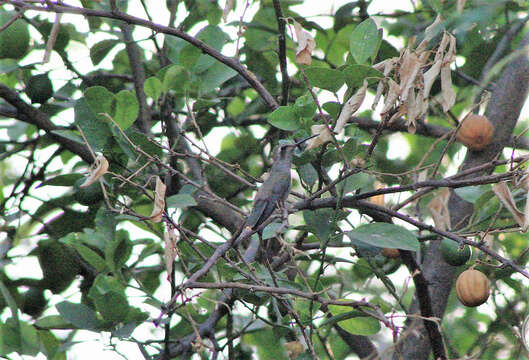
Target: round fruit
{"points": [[14, 40], [59, 265], [472, 288], [390, 253], [34, 301], [476, 132], [89, 195], [39, 88], [453, 254]]}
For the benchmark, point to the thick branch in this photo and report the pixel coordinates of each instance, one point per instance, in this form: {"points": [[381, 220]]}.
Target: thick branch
{"points": [[138, 73], [31, 115], [133, 20], [503, 110], [282, 52]]}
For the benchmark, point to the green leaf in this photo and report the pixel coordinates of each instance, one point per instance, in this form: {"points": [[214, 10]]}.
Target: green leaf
{"points": [[118, 251], [153, 87], [305, 106], [99, 50], [285, 118], [189, 56], [355, 75], [50, 343], [214, 37], [357, 325], [268, 345], [70, 135], [215, 76], [19, 336], [324, 78], [333, 108], [113, 306], [109, 298], [99, 99], [105, 223], [88, 255], [6, 295], [79, 315], [180, 201], [61, 180], [270, 231], [354, 182], [385, 235], [53, 322], [175, 78], [364, 41], [308, 174], [320, 222], [95, 130], [126, 109], [472, 193]]}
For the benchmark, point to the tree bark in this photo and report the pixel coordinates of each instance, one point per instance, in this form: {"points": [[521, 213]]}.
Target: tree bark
{"points": [[503, 110]]}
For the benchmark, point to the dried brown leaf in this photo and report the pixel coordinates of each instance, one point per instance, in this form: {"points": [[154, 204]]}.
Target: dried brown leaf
{"points": [[429, 33], [324, 136], [525, 225], [505, 196], [386, 67], [412, 111], [408, 71], [390, 97], [438, 207], [99, 168], [401, 111], [448, 94], [159, 201], [170, 251], [351, 106], [430, 76], [442, 46], [306, 45]]}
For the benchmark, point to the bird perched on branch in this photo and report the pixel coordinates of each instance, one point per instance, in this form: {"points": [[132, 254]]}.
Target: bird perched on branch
{"points": [[276, 187]]}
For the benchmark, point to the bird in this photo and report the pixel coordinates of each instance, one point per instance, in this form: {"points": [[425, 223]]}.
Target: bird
{"points": [[276, 187]]}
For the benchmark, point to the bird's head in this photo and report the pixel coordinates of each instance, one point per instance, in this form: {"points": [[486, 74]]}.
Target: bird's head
{"points": [[284, 149]]}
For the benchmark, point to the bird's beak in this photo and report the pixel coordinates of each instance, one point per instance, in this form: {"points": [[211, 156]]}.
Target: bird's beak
{"points": [[303, 140]]}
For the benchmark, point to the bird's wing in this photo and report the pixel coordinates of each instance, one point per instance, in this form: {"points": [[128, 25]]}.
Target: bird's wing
{"points": [[258, 209]]}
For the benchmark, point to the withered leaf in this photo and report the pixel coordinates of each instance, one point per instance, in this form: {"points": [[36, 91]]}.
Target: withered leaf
{"points": [[99, 168], [159, 201]]}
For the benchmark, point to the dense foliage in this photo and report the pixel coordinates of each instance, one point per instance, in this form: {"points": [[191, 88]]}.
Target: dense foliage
{"points": [[135, 134]]}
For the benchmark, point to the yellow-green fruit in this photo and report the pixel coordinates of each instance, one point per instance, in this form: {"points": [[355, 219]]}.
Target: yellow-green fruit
{"points": [[59, 265], [14, 40], [453, 254], [34, 301], [39, 88], [89, 195]]}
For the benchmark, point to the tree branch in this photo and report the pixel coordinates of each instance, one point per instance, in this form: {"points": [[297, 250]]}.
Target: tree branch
{"points": [[503, 110], [138, 72], [133, 20], [285, 83], [31, 115]]}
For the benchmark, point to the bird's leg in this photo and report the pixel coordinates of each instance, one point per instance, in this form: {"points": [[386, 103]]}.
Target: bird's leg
{"points": [[284, 212]]}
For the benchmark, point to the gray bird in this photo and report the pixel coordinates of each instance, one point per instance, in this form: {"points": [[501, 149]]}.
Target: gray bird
{"points": [[276, 187]]}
